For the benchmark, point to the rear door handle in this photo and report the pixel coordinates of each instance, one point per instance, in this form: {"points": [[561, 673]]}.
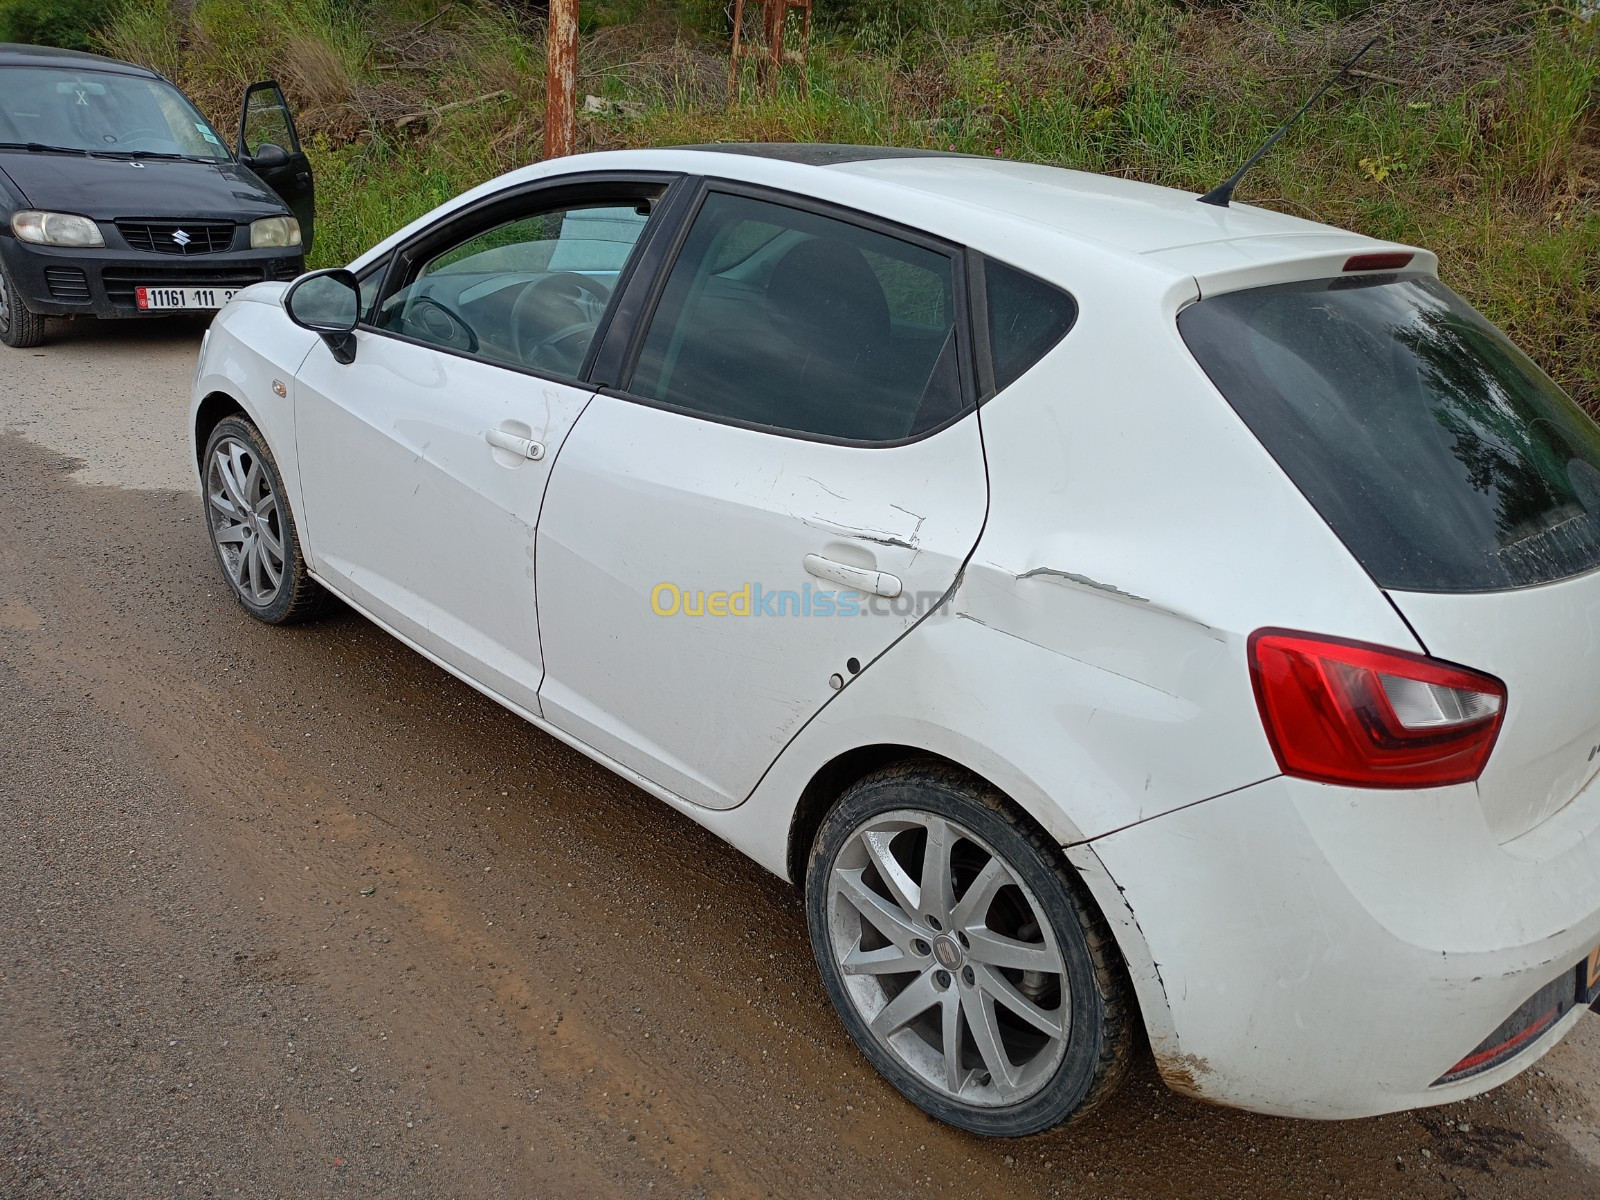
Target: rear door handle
{"points": [[858, 579], [526, 447]]}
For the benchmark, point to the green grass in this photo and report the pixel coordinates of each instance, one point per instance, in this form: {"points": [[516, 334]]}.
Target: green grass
{"points": [[1487, 152]]}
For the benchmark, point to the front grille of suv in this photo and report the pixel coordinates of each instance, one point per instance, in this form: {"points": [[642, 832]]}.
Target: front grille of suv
{"points": [[178, 237]]}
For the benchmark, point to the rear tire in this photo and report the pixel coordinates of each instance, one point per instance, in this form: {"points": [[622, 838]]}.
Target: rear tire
{"points": [[943, 920], [253, 533], [20, 327]]}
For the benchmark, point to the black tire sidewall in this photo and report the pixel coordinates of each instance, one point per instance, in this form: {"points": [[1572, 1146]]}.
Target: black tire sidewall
{"points": [[278, 611], [950, 795], [26, 328]]}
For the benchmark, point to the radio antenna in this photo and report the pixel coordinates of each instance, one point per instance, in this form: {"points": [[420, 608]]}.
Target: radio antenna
{"points": [[1223, 192]]}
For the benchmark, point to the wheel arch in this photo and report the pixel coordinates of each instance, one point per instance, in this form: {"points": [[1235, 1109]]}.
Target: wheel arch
{"points": [[209, 413], [835, 776]]}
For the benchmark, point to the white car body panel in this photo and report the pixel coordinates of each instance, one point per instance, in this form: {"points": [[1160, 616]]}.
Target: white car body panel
{"points": [[644, 496], [1091, 662], [1365, 939], [249, 345], [1544, 642], [396, 469]]}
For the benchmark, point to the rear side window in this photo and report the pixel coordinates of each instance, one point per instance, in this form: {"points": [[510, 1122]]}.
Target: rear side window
{"points": [[1439, 453], [798, 322], [1027, 317]]}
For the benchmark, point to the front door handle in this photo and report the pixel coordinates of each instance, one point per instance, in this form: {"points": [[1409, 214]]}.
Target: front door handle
{"points": [[526, 447], [857, 579]]}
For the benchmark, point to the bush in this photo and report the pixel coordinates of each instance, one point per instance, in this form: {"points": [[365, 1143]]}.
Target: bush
{"points": [[68, 23]]}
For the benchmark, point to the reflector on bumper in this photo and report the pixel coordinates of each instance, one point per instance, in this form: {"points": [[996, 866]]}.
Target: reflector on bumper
{"points": [[1538, 1013]]}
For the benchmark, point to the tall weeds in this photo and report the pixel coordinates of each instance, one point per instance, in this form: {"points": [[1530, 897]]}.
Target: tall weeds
{"points": [[1473, 129]]}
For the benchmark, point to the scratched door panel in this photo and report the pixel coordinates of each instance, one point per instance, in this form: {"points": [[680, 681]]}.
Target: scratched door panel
{"points": [[653, 514]]}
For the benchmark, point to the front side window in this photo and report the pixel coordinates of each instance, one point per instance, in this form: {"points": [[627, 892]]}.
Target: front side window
{"points": [[1442, 457], [790, 320], [101, 112], [527, 293]]}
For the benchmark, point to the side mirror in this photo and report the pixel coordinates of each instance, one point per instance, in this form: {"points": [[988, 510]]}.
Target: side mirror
{"points": [[329, 303], [267, 156]]}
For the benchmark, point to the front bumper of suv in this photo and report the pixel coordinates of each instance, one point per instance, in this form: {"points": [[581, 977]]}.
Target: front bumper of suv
{"points": [[102, 281], [1336, 952]]}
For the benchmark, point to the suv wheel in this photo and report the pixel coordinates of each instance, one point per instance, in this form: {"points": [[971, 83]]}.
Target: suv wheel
{"points": [[963, 955], [20, 327]]}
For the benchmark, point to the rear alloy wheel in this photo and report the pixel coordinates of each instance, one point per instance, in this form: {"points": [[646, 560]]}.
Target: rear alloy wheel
{"points": [[20, 327], [963, 956], [252, 530]]}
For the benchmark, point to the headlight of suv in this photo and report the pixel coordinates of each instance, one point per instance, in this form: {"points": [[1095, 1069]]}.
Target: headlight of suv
{"points": [[274, 231], [55, 229]]}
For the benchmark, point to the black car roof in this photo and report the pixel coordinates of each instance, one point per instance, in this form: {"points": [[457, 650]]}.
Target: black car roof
{"points": [[15, 54], [819, 154]]}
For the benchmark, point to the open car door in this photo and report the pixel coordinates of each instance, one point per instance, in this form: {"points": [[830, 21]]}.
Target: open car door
{"points": [[269, 146]]}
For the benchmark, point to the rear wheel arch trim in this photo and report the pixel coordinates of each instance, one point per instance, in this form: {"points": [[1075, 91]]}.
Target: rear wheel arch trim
{"points": [[830, 780]]}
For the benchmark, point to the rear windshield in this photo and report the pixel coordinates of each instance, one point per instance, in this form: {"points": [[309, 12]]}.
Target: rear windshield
{"points": [[1438, 452]]}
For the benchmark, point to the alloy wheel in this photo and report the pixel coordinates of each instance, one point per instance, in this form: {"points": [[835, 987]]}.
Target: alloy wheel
{"points": [[246, 524], [5, 304], [948, 959]]}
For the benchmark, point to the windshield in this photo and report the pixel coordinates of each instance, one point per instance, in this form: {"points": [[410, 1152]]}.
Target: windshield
{"points": [[1438, 452], [101, 112]]}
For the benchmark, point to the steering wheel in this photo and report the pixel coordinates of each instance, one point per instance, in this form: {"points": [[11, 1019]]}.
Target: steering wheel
{"points": [[564, 294], [424, 314]]}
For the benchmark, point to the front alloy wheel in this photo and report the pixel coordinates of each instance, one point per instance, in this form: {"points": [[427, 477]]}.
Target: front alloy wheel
{"points": [[252, 531], [962, 955], [246, 525]]}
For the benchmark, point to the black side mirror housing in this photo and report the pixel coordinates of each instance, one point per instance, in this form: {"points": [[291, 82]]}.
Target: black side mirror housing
{"points": [[329, 303], [267, 156]]}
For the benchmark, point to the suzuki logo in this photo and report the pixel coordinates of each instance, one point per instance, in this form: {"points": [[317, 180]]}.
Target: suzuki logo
{"points": [[182, 238]]}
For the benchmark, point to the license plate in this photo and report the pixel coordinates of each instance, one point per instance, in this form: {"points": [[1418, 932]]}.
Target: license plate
{"points": [[184, 297]]}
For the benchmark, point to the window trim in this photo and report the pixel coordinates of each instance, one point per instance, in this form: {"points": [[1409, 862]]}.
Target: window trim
{"points": [[402, 265], [977, 273], [651, 290]]}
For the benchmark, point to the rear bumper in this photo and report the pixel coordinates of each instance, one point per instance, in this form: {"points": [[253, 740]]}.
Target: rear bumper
{"points": [[1332, 952], [101, 282]]}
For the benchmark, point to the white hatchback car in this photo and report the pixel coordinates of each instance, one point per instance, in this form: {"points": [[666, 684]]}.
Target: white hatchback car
{"points": [[1117, 612]]}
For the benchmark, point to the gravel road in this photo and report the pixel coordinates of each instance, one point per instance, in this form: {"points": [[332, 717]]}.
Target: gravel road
{"points": [[292, 913]]}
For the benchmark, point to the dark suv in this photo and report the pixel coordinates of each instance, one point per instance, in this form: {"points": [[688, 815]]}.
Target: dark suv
{"points": [[118, 199]]}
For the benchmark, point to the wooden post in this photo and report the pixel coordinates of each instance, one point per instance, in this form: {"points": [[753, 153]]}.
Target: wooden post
{"points": [[561, 79]]}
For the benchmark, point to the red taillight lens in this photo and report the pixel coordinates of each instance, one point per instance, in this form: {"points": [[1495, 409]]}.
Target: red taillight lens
{"points": [[1346, 712]]}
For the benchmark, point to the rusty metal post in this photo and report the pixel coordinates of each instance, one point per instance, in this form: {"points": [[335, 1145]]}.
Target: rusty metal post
{"points": [[561, 79], [771, 67]]}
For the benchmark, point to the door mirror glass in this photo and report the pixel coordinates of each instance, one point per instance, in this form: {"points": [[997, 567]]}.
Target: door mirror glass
{"points": [[268, 155], [265, 122], [326, 301]]}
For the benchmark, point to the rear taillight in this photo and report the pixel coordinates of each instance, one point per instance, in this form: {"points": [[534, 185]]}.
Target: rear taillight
{"points": [[1346, 712]]}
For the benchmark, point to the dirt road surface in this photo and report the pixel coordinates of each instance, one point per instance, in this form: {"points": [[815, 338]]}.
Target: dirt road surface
{"points": [[292, 913]]}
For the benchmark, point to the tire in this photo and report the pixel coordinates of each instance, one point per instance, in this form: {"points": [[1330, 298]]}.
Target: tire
{"points": [[20, 327], [1012, 1075], [259, 553]]}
